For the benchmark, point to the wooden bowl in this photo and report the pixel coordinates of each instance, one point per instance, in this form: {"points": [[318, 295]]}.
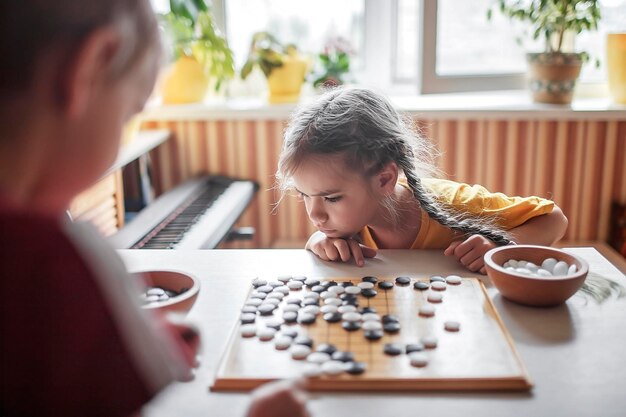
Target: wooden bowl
{"points": [[529, 290], [173, 281]]}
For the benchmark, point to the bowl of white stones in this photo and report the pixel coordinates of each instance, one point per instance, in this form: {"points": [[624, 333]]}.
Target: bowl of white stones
{"points": [[168, 290], [538, 276]]}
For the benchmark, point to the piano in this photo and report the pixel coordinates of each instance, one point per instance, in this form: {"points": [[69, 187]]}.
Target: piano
{"points": [[197, 214]]}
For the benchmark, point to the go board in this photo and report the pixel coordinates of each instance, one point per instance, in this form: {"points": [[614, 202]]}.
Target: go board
{"points": [[371, 334]]}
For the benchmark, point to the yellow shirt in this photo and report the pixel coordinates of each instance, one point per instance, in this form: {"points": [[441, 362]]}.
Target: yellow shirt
{"points": [[510, 212]]}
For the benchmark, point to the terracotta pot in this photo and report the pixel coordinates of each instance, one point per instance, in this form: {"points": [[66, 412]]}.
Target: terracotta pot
{"points": [[553, 76], [286, 82]]}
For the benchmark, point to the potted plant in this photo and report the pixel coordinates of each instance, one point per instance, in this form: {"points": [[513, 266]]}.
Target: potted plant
{"points": [[334, 62], [202, 54], [553, 72], [283, 67]]}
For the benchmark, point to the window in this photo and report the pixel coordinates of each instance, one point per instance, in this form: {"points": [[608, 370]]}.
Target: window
{"points": [[408, 46]]}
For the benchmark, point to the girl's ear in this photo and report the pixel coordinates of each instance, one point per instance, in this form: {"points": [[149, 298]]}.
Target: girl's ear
{"points": [[387, 178], [86, 70]]}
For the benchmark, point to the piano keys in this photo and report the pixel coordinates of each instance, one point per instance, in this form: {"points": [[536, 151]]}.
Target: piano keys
{"points": [[197, 214]]}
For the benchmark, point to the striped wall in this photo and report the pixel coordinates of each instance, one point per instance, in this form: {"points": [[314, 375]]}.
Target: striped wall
{"points": [[579, 164]]}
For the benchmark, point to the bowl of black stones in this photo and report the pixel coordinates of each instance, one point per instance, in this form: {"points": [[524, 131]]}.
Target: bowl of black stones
{"points": [[168, 290], [537, 276]]}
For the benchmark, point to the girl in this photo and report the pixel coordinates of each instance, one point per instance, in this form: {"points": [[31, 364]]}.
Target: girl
{"points": [[73, 341], [365, 177]]}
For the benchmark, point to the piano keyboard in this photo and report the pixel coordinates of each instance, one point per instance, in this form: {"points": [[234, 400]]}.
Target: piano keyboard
{"points": [[198, 214]]}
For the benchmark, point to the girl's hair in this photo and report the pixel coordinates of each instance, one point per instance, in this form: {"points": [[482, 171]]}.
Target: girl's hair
{"points": [[30, 27], [365, 129]]}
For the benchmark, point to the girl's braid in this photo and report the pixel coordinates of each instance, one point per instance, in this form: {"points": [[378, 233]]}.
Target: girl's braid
{"points": [[441, 214]]}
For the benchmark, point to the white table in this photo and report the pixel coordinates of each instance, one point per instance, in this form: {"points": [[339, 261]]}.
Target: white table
{"points": [[575, 353]]}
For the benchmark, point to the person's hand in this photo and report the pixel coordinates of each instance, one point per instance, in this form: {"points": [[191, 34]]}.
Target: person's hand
{"points": [[188, 338], [339, 249], [278, 399], [470, 252]]}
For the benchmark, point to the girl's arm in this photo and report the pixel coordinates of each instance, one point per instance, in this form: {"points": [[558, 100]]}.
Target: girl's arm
{"points": [[541, 230]]}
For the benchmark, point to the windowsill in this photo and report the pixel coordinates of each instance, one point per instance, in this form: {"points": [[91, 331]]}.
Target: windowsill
{"points": [[493, 105]]}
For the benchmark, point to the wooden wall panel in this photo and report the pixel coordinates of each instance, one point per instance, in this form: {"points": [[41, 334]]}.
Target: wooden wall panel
{"points": [[579, 164]]}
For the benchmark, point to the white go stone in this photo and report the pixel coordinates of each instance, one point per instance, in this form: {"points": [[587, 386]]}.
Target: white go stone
{"points": [[370, 317], [277, 295], [328, 308], [548, 264], [258, 294], [336, 289], [560, 269], [300, 278], [346, 309], [351, 316], [299, 352], [429, 342], [333, 301], [311, 309], [438, 286], [282, 342], [273, 301], [521, 264], [453, 279], [266, 333], [365, 285], [418, 359], [327, 294], [291, 308], [512, 263], [290, 316], [452, 326], [543, 272], [318, 357], [427, 310], [295, 285], [248, 330], [523, 271], [353, 289], [254, 302], [434, 297], [332, 367], [312, 295], [532, 267], [572, 269], [283, 289], [372, 325], [284, 278]]}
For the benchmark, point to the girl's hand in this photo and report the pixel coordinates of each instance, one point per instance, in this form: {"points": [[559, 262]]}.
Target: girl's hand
{"points": [[470, 252], [336, 249], [278, 399]]}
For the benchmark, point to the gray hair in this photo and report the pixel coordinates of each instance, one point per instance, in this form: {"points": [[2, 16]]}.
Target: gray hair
{"points": [[368, 132]]}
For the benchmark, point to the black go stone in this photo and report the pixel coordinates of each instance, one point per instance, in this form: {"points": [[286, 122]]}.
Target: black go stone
{"points": [[347, 284], [437, 278], [351, 302], [343, 356], [421, 285], [391, 327], [403, 280], [332, 317], [373, 280], [369, 293], [393, 349], [325, 284], [366, 310], [351, 325], [303, 340], [385, 285], [355, 368], [390, 318], [373, 334], [332, 283], [414, 347], [345, 296], [318, 289], [326, 348]]}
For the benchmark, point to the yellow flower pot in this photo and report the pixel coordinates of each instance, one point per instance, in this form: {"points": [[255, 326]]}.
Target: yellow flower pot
{"points": [[616, 66], [286, 81], [185, 82]]}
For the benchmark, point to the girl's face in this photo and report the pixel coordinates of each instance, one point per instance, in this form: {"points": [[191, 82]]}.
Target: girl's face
{"points": [[339, 201]]}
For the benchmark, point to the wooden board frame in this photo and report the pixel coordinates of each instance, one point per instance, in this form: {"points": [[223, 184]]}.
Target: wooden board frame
{"points": [[248, 362]]}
